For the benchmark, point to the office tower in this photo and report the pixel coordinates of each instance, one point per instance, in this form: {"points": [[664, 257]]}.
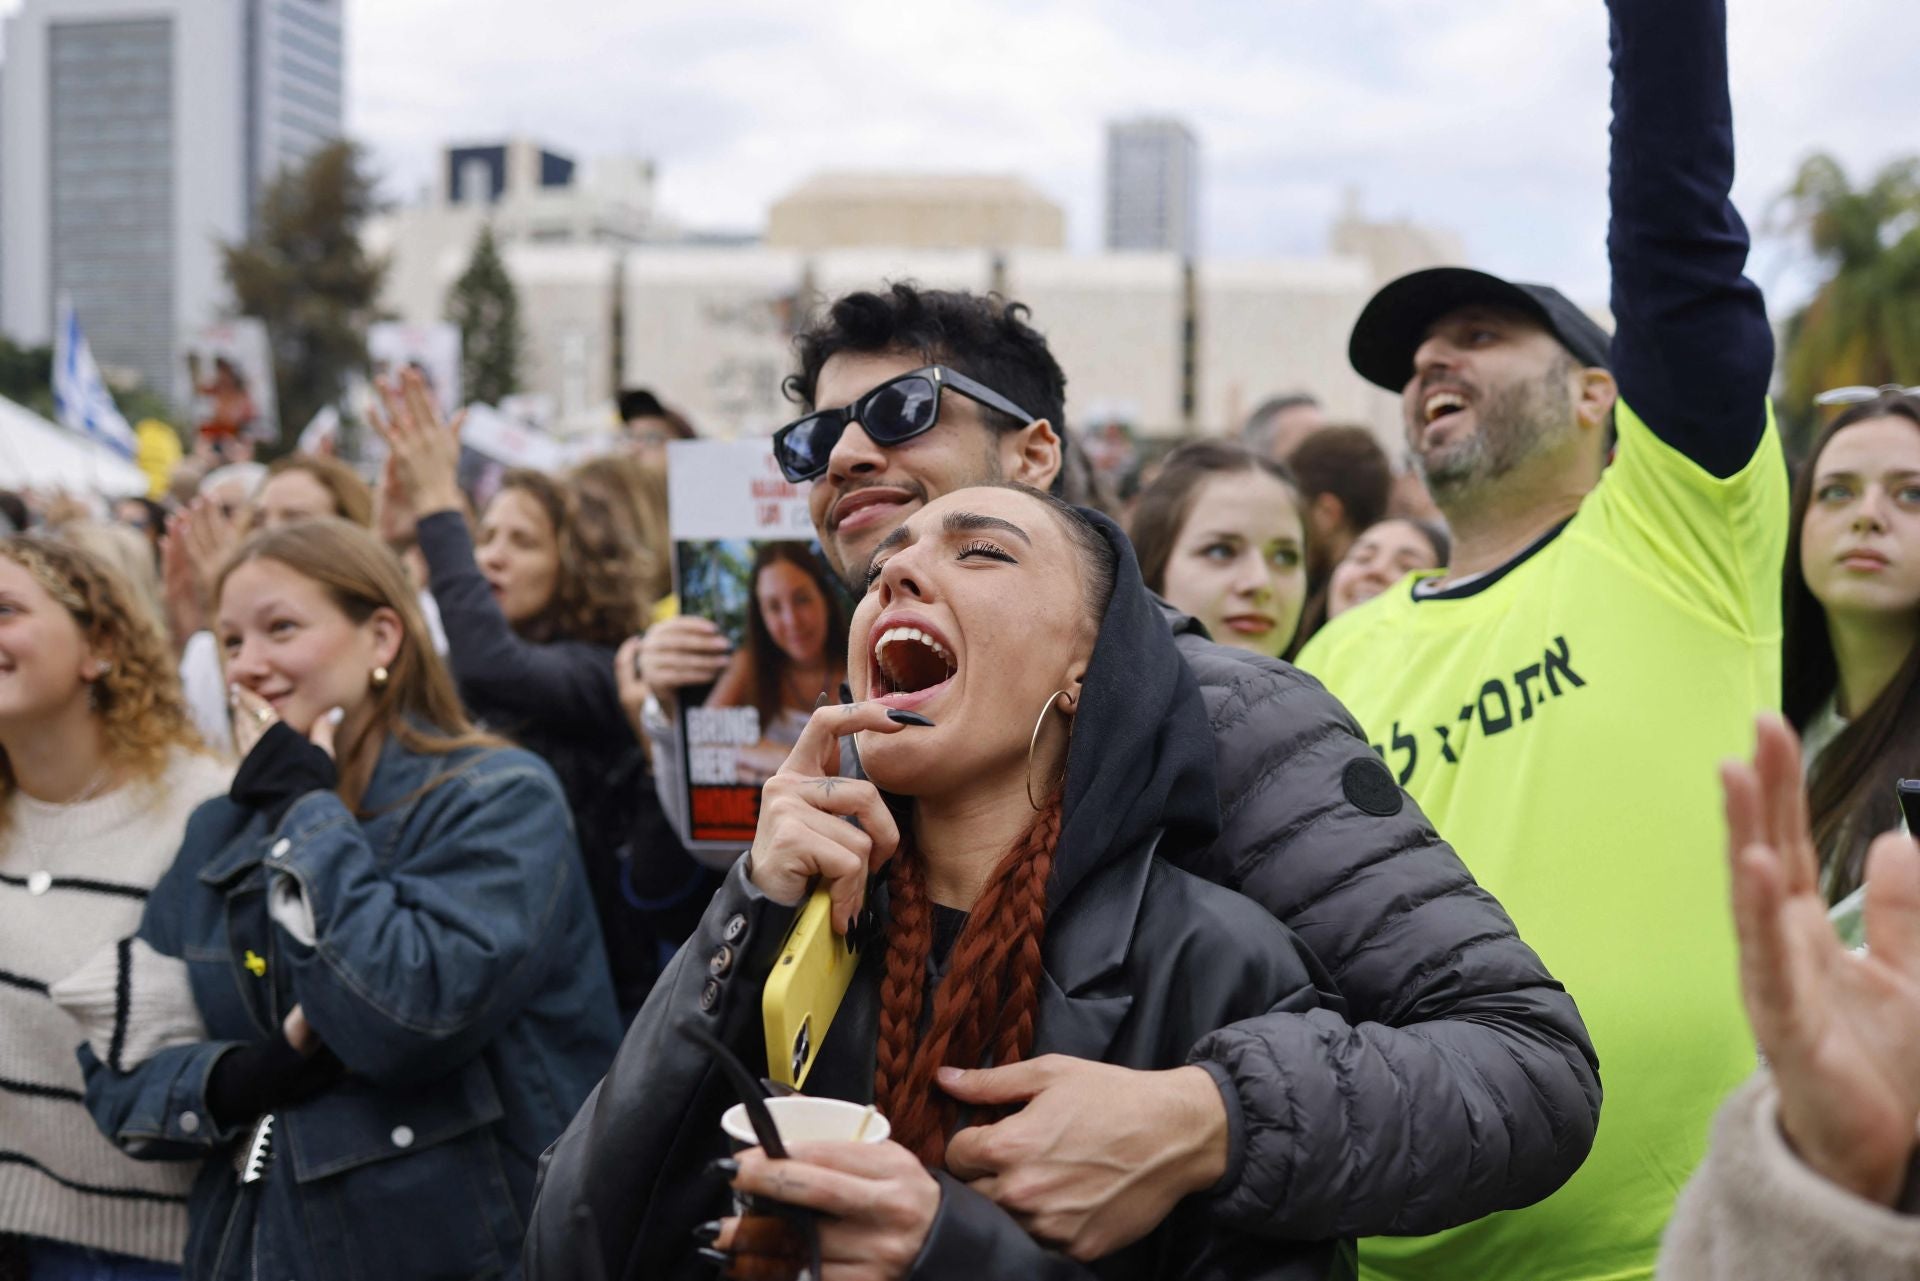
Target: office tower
{"points": [[135, 138], [1153, 186]]}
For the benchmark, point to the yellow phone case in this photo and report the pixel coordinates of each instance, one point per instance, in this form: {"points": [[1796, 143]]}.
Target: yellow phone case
{"points": [[804, 991]]}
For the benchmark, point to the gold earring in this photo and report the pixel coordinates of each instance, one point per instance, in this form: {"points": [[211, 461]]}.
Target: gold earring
{"points": [[1034, 742], [379, 678]]}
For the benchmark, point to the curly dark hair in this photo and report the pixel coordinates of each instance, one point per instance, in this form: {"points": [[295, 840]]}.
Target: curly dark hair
{"points": [[597, 596], [982, 336]]}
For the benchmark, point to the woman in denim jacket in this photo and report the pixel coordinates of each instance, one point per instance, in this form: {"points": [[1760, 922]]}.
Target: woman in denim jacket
{"points": [[401, 992]]}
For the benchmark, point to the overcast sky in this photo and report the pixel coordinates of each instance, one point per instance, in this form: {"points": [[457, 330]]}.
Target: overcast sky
{"points": [[1486, 117]]}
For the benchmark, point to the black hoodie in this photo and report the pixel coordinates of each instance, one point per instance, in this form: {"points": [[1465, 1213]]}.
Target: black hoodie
{"points": [[1142, 753]]}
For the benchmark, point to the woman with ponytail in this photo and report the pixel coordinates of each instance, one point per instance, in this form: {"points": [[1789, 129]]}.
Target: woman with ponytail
{"points": [[1037, 755]]}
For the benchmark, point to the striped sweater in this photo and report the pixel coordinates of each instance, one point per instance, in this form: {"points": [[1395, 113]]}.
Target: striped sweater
{"points": [[73, 879]]}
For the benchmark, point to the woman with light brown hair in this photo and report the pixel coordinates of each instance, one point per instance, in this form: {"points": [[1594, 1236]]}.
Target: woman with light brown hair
{"points": [[623, 509], [99, 769], [386, 939], [535, 604], [309, 486]]}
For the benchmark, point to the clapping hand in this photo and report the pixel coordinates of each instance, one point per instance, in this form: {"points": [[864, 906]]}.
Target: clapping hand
{"points": [[423, 463], [199, 542], [1841, 1030]]}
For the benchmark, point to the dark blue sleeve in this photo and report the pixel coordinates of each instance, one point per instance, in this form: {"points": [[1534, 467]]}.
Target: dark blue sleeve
{"points": [[1692, 351], [561, 681]]}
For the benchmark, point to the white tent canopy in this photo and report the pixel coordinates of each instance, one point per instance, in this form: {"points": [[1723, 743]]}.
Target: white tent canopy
{"points": [[35, 454]]}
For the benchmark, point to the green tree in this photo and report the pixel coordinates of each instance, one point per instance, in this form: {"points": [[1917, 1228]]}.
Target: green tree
{"points": [[1862, 325], [304, 273], [484, 304], [26, 376]]}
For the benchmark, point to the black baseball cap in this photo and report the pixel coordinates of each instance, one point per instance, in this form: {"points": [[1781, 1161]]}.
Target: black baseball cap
{"points": [[1396, 321]]}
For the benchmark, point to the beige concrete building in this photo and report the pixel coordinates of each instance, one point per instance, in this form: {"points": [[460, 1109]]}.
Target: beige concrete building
{"points": [[1114, 321], [1171, 348], [915, 211]]}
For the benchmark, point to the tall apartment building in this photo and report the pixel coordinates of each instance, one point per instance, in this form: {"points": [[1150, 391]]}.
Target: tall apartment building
{"points": [[1153, 187], [135, 137]]}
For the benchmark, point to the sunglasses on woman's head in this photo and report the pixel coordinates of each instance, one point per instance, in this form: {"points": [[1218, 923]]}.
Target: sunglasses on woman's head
{"points": [[1861, 395], [896, 411]]}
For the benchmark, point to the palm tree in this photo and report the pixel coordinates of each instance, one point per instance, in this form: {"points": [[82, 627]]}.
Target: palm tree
{"points": [[1863, 325]]}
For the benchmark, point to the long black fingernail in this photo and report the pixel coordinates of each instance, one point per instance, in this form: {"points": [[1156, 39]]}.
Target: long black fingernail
{"points": [[719, 1258], [726, 1167], [901, 716], [708, 1231]]}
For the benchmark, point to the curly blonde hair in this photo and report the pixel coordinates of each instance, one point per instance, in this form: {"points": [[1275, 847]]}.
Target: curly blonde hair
{"points": [[596, 595], [138, 698]]}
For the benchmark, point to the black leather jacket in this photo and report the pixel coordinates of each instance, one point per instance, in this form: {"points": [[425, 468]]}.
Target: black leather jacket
{"points": [[1140, 963]]}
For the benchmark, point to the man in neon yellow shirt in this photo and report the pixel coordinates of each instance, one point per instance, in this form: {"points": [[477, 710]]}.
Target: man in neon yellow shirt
{"points": [[1557, 700]]}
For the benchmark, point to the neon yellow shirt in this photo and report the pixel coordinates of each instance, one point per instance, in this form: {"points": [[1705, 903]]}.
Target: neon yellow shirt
{"points": [[1561, 722]]}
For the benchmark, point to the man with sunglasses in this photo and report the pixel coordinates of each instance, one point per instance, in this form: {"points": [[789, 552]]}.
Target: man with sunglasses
{"points": [[1459, 1081], [1559, 697]]}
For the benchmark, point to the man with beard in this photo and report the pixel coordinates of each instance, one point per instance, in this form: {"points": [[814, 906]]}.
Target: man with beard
{"points": [[1558, 698]]}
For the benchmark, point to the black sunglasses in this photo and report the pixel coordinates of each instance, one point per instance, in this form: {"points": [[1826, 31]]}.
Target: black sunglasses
{"points": [[895, 411]]}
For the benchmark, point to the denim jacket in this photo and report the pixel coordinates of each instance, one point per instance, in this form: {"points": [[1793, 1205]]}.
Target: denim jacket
{"points": [[455, 970]]}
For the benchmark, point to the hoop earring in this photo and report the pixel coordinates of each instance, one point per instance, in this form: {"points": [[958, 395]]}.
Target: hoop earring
{"points": [[379, 678], [1034, 742]]}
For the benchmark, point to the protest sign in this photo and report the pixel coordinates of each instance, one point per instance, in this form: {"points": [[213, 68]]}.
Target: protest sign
{"points": [[745, 557], [230, 367]]}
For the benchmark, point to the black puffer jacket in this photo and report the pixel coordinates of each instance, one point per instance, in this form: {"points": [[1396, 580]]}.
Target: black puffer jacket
{"points": [[1461, 1080], [1140, 960]]}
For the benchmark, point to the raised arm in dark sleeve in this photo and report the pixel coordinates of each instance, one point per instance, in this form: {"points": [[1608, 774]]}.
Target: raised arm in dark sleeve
{"points": [[1692, 350], [1461, 1080], [564, 681]]}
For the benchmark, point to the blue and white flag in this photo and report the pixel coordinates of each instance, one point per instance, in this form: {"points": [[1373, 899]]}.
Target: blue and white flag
{"points": [[80, 394]]}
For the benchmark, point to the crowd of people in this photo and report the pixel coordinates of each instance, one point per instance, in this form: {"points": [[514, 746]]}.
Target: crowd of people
{"points": [[1307, 868]]}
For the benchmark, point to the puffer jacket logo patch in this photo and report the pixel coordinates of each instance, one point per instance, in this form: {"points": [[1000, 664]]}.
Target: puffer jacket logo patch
{"points": [[1369, 784]]}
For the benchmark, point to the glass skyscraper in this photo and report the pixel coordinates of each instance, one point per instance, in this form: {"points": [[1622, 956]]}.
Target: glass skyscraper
{"points": [[135, 138]]}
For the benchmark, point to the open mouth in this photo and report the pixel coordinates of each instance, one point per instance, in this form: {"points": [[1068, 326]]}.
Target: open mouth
{"points": [[909, 665], [1443, 404]]}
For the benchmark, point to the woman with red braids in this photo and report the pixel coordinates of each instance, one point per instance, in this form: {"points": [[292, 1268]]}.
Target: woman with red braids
{"points": [[1036, 755]]}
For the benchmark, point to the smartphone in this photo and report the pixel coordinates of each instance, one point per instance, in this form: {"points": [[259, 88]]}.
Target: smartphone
{"points": [[1908, 790], [804, 990]]}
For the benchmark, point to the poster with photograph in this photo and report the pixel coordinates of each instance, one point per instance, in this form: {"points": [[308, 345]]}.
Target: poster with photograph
{"points": [[434, 350], [746, 558], [230, 369]]}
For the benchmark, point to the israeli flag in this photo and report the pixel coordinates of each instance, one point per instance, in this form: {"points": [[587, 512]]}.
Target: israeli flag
{"points": [[80, 394]]}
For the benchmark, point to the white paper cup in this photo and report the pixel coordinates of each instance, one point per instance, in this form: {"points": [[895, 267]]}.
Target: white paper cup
{"points": [[801, 1118]]}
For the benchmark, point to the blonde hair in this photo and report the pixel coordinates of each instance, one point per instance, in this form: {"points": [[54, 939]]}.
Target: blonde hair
{"points": [[417, 704], [137, 698], [130, 555]]}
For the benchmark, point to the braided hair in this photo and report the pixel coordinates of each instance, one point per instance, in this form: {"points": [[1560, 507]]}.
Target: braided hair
{"points": [[983, 1011]]}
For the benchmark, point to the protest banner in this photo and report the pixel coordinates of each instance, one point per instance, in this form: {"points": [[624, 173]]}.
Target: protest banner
{"points": [[745, 557]]}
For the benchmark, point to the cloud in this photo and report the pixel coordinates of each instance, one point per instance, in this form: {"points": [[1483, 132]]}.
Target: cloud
{"points": [[1486, 118]]}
